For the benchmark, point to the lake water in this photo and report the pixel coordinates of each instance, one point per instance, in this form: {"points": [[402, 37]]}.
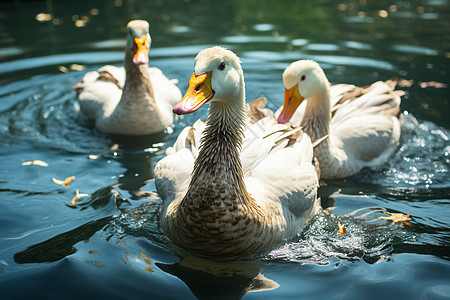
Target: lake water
{"points": [[110, 245]]}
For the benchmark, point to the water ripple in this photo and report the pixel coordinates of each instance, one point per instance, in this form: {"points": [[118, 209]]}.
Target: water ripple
{"points": [[422, 161], [47, 114], [362, 240]]}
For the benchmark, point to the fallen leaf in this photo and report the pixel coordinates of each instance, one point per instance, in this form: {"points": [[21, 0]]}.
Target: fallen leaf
{"points": [[43, 17], [342, 229], [434, 84], [92, 156], [396, 217], [64, 182], [78, 196], [405, 83], [36, 163], [63, 69], [76, 67]]}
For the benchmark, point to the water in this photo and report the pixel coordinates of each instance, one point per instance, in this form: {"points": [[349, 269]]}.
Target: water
{"points": [[110, 244]]}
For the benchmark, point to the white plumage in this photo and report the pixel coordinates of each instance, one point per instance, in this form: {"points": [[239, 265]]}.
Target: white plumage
{"points": [[230, 188], [361, 124], [129, 100]]}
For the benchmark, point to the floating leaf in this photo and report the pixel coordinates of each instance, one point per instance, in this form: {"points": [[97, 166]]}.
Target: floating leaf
{"points": [[44, 17], [36, 163], [64, 182], [63, 69], [76, 67], [435, 84], [342, 229], [78, 196], [405, 83], [396, 217]]}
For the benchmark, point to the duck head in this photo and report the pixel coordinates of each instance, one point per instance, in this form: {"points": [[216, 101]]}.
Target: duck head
{"points": [[138, 41], [217, 77], [302, 80]]}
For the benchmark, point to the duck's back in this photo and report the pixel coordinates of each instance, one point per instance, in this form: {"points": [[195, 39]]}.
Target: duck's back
{"points": [[99, 91], [366, 122]]}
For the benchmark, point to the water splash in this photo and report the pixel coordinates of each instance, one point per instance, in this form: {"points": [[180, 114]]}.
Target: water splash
{"points": [[364, 238], [422, 161], [141, 221]]}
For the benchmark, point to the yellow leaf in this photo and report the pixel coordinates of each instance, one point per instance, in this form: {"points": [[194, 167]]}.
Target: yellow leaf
{"points": [[342, 229], [36, 163], [396, 217], [43, 17], [76, 67], [64, 182], [435, 84], [78, 196]]}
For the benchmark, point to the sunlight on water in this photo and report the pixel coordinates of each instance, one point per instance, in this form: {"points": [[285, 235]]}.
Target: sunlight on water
{"points": [[364, 238], [110, 244], [47, 114], [422, 159]]}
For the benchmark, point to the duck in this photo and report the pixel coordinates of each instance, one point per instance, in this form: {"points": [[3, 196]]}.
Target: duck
{"points": [[233, 188], [358, 126], [133, 100]]}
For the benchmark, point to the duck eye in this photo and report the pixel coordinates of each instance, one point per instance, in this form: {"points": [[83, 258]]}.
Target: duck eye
{"points": [[303, 77], [221, 66]]}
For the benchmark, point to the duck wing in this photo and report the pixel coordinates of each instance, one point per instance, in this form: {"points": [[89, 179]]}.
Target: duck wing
{"points": [[278, 169], [365, 122], [99, 91], [173, 172]]}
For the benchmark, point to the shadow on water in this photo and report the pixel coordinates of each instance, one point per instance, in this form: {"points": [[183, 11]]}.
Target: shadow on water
{"points": [[219, 280], [61, 245], [355, 41]]}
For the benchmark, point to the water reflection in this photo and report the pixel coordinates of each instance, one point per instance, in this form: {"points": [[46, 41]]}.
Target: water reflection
{"points": [[61, 245], [356, 42], [219, 280]]}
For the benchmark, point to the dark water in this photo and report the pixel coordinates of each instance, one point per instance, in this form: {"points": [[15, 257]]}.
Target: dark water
{"points": [[111, 246]]}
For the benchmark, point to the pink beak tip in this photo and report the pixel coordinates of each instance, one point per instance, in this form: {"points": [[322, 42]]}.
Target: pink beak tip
{"points": [[180, 109], [281, 119], [140, 60]]}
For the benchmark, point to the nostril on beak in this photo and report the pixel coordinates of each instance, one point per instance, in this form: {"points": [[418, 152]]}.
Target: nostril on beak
{"points": [[198, 88]]}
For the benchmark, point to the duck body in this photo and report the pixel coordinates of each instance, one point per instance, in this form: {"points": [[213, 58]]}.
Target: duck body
{"points": [[232, 189], [360, 125], [129, 100]]}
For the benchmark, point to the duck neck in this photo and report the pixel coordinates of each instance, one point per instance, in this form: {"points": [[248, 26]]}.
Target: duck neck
{"points": [[217, 178], [317, 117], [138, 86]]}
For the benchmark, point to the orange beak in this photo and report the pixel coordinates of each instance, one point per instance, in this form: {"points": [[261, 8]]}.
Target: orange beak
{"points": [[141, 56], [198, 93], [292, 100]]}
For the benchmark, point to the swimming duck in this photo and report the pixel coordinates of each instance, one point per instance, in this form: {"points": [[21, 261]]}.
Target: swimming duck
{"points": [[360, 125], [231, 189], [130, 100]]}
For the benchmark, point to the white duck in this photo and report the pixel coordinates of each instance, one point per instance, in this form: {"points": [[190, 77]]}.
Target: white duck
{"points": [[131, 100], [361, 124], [222, 201]]}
